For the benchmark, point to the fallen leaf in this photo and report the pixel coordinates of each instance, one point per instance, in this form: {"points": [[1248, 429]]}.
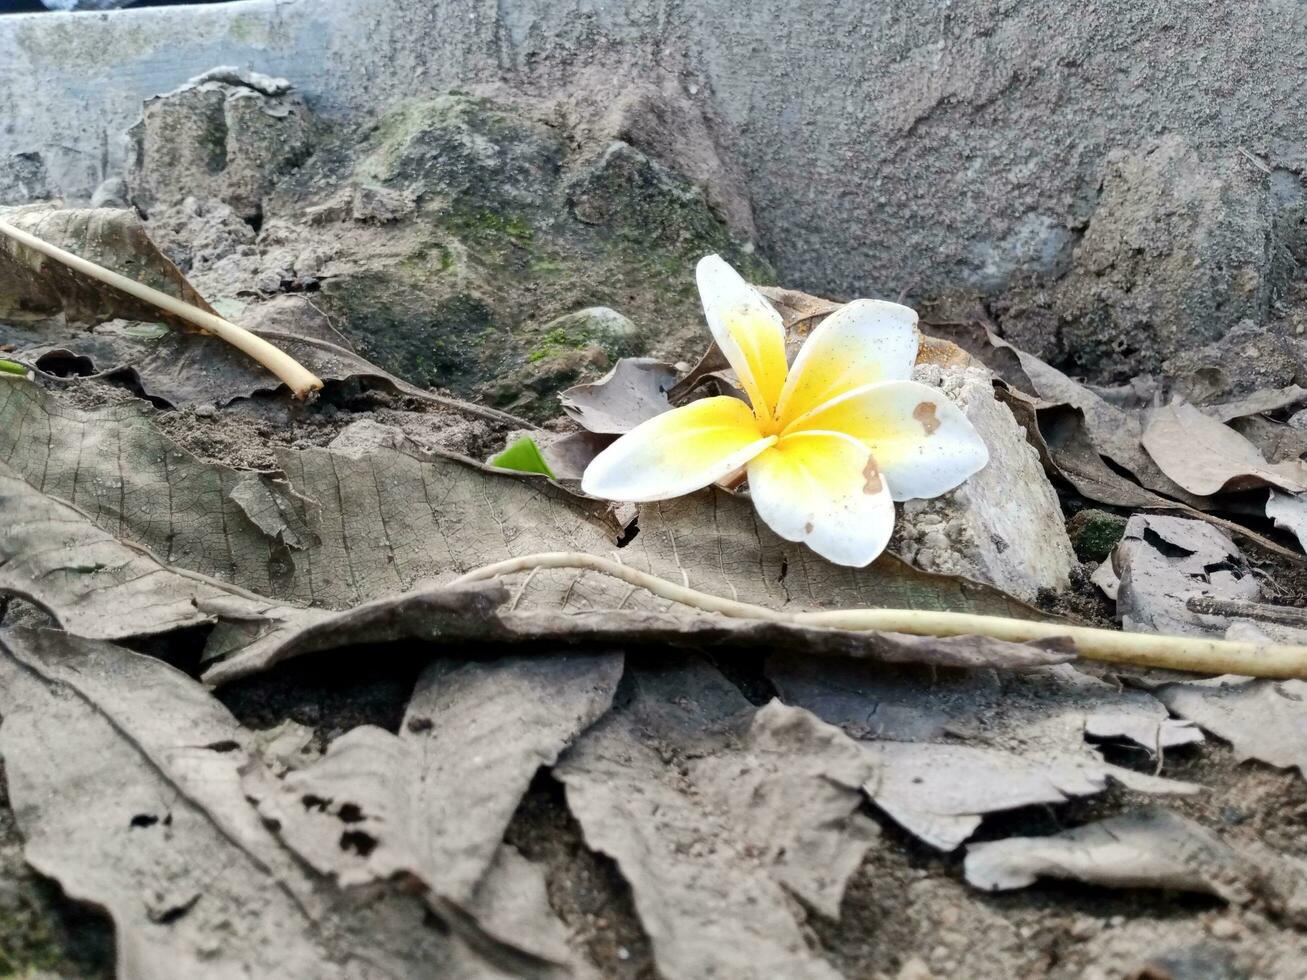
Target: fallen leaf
{"points": [[378, 522], [1289, 512], [1150, 848], [1206, 457], [34, 288], [1263, 720], [186, 370], [95, 585], [101, 587], [634, 391], [522, 456], [1059, 434], [1163, 562], [124, 777], [1257, 403], [1113, 433], [713, 811], [433, 802], [955, 746], [249, 642]]}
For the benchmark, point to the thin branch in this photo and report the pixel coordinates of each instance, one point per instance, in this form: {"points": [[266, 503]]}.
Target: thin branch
{"points": [[1188, 653], [300, 380]]}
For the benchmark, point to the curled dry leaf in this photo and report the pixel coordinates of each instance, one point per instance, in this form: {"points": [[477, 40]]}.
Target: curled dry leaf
{"points": [[713, 811], [952, 747], [33, 287], [1206, 457], [1113, 433], [1147, 849], [1289, 512], [247, 643], [634, 391]]}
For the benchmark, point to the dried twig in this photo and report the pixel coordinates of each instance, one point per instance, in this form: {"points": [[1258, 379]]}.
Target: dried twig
{"points": [[300, 380], [1186, 653]]}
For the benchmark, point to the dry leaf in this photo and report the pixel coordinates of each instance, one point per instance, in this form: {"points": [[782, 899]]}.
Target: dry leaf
{"points": [[1263, 720], [33, 287], [1258, 403], [1112, 432], [634, 391], [1289, 512], [1163, 562], [99, 586], [951, 747], [125, 778], [1147, 849], [712, 810], [434, 801], [1206, 457], [378, 522]]}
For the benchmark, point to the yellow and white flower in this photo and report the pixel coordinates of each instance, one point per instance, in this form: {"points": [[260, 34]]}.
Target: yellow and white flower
{"points": [[829, 442]]}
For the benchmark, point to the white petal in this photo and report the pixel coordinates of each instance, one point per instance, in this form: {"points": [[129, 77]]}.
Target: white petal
{"points": [[924, 444], [862, 342], [824, 489], [748, 330], [677, 452]]}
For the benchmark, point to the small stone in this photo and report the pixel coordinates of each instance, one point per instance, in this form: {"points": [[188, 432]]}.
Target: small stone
{"points": [[1084, 928], [226, 134], [112, 193], [1094, 533], [914, 969], [1225, 928]]}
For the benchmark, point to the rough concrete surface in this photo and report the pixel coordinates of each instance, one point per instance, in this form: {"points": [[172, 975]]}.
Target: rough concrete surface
{"points": [[933, 145]]}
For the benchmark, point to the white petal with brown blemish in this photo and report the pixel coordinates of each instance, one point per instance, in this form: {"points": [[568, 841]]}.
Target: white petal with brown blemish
{"points": [[922, 442], [826, 490]]}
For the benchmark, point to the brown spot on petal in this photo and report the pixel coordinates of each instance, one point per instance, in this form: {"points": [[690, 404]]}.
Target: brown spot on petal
{"points": [[871, 474], [807, 528], [925, 414]]}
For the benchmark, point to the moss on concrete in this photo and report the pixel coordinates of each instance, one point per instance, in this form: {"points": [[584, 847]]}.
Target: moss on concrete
{"points": [[511, 230]]}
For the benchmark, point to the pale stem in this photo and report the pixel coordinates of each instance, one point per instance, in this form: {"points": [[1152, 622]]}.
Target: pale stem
{"points": [[300, 380], [1186, 653]]}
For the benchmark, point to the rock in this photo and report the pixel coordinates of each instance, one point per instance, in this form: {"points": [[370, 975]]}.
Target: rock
{"points": [[199, 236], [462, 242], [112, 193], [227, 134], [1003, 526], [1178, 250], [1246, 360], [1095, 533], [23, 179], [880, 149]]}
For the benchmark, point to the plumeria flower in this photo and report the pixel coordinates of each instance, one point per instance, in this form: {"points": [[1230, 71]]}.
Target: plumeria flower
{"points": [[828, 443]]}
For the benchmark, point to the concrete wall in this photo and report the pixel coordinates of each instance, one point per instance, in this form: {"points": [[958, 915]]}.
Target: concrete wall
{"points": [[933, 144]]}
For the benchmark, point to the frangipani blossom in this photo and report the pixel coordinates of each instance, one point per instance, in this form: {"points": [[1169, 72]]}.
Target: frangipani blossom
{"points": [[829, 443]]}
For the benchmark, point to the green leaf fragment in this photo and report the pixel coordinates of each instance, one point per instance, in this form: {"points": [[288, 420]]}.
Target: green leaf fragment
{"points": [[524, 457], [12, 367]]}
